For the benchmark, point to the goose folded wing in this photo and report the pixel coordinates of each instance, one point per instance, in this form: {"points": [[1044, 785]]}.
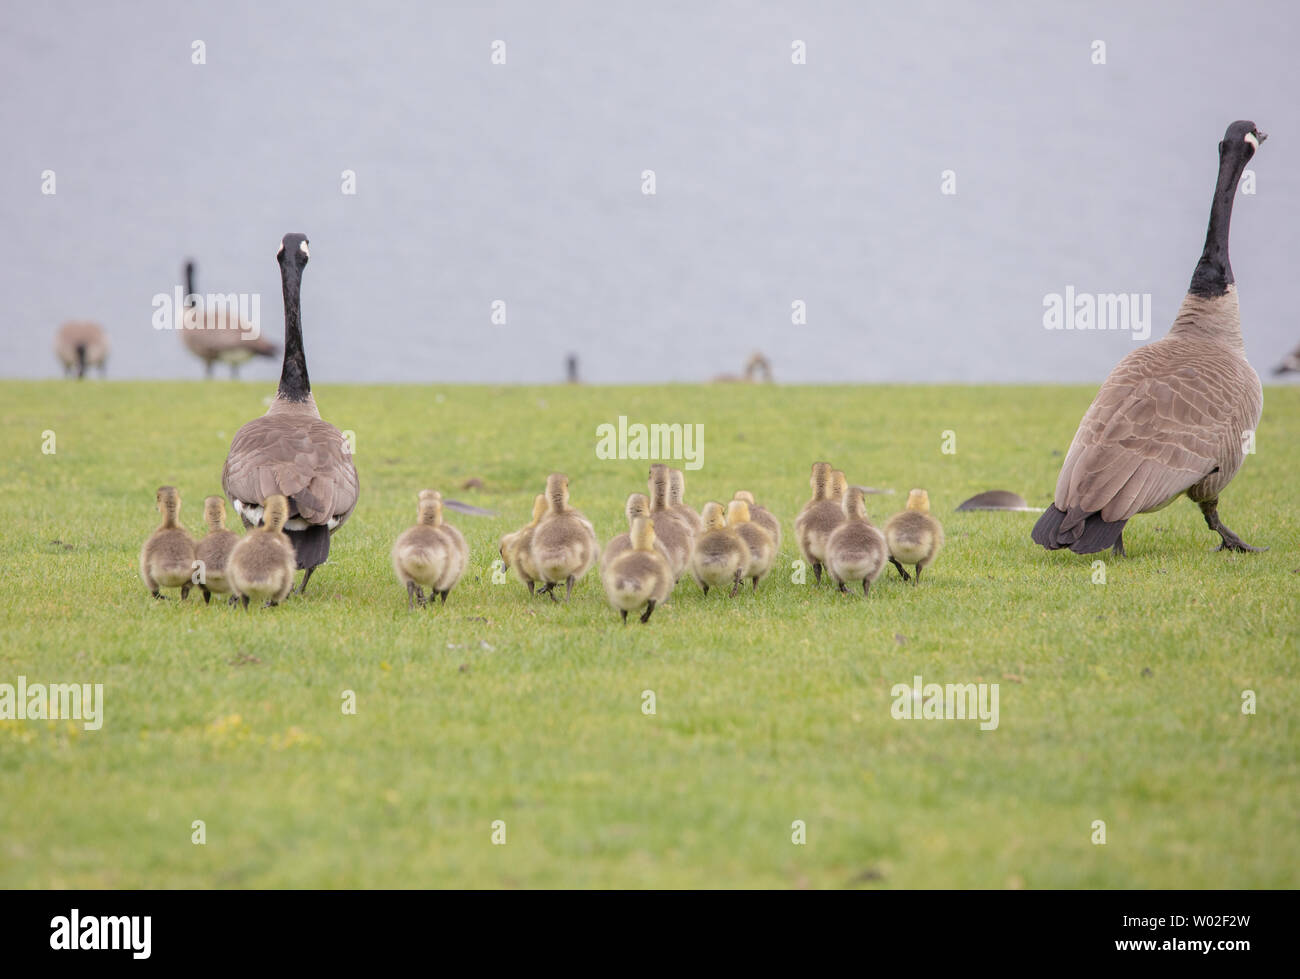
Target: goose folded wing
{"points": [[307, 462], [1142, 442]]}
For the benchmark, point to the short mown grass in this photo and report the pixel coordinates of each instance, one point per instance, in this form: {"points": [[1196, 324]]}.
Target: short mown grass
{"points": [[1119, 702]]}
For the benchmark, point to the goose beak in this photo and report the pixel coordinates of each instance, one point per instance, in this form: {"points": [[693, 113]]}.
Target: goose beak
{"points": [[1261, 135]]}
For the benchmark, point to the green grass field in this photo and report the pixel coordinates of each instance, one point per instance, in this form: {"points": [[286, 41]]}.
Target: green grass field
{"points": [[1118, 702]]}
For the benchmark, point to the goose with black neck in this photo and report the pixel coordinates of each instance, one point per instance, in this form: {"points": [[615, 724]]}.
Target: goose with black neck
{"points": [[290, 450]]}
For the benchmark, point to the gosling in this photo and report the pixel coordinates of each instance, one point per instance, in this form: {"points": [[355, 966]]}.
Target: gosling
{"points": [[458, 550], [856, 550], [762, 516], [671, 528], [640, 576], [564, 544], [516, 548], [819, 516], [914, 536], [213, 552], [421, 554], [262, 564], [762, 549], [638, 505], [167, 558], [677, 501], [720, 557]]}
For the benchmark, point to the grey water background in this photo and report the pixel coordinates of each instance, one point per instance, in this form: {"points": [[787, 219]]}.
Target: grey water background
{"points": [[521, 182]]}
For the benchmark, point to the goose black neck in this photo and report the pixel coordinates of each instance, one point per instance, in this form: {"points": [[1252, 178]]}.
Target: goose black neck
{"points": [[294, 383], [1213, 272], [189, 283]]}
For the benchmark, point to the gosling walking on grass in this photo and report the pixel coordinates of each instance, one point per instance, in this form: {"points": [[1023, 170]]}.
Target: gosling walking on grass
{"points": [[262, 563], [914, 536], [856, 550], [640, 576], [564, 543], [213, 552], [167, 558], [720, 557], [422, 554], [516, 547], [762, 549], [820, 515]]}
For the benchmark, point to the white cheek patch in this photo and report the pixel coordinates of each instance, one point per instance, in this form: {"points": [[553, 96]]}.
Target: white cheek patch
{"points": [[302, 247], [279, 251], [1250, 138]]}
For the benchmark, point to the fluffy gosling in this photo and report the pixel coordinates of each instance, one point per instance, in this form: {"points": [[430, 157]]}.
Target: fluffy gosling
{"points": [[261, 565], [167, 558], [762, 516], [421, 554], [213, 552], [516, 548], [762, 549], [914, 536], [564, 544], [640, 576], [720, 557], [819, 517], [677, 501], [856, 550]]}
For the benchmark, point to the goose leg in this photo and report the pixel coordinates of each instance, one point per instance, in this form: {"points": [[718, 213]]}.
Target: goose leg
{"points": [[817, 572], [531, 586], [917, 580], [442, 594], [185, 591], [649, 607], [735, 587], [624, 611], [894, 561], [302, 589], [704, 586], [207, 595], [233, 600], [1119, 545], [755, 584], [844, 589], [866, 587], [270, 603], [1231, 542], [410, 596], [207, 369], [245, 601], [568, 588]]}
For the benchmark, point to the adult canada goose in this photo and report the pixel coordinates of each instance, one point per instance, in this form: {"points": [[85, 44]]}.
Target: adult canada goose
{"points": [[762, 549], [516, 547], [914, 536], [1290, 363], [457, 548], [290, 450], [1175, 415], [261, 565], [564, 543], [820, 515], [424, 556], [213, 551], [720, 557], [677, 500], [219, 335], [762, 516], [639, 576], [855, 550], [80, 345], [167, 558]]}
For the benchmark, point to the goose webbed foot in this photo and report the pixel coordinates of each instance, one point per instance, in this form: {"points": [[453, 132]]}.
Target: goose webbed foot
{"points": [[244, 601], [844, 589], [624, 611], [1229, 540], [270, 603], [158, 595], [207, 594], [894, 561]]}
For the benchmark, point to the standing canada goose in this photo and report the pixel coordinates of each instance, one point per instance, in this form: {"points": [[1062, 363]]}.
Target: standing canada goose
{"points": [[167, 558], [213, 552], [671, 528], [1175, 415], [914, 536], [219, 334], [856, 550], [820, 515], [80, 345], [720, 557], [640, 576], [762, 516], [762, 549], [261, 564], [677, 500], [638, 505], [516, 547], [1290, 363], [457, 549], [423, 556], [564, 543], [290, 450]]}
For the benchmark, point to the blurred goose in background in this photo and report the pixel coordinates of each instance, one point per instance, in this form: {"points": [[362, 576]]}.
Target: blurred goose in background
{"points": [[80, 345], [219, 335]]}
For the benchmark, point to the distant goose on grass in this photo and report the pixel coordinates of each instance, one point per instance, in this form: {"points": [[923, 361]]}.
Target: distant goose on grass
{"points": [[81, 345], [1290, 363], [290, 450], [1174, 416], [219, 335]]}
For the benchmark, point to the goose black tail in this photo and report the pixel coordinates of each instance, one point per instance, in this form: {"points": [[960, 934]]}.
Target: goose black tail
{"points": [[311, 546], [1080, 532]]}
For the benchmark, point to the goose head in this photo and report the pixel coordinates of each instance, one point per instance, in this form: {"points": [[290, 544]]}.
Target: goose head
{"points": [[1242, 138], [293, 251]]}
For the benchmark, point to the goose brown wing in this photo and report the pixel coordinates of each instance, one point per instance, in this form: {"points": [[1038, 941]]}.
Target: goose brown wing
{"points": [[305, 459], [1155, 429]]}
